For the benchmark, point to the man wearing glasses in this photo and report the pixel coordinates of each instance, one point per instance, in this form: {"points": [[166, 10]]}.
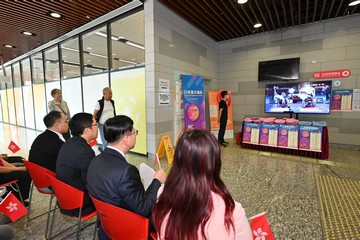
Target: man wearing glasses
{"points": [[74, 158], [113, 180]]}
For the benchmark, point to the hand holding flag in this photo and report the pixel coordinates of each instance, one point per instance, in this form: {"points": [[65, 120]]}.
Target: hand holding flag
{"points": [[13, 147], [12, 207]]}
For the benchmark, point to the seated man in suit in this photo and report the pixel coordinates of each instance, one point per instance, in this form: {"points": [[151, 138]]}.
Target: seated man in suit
{"points": [[113, 180], [74, 158], [46, 146]]}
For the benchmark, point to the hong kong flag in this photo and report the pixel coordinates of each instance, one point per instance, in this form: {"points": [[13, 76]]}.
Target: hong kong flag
{"points": [[156, 161], [12, 207], [260, 227], [13, 147]]}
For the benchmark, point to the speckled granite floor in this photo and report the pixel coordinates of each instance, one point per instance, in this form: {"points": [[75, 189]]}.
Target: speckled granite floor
{"points": [[285, 186]]}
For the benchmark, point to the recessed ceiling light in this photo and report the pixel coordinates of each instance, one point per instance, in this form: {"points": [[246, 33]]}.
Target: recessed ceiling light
{"points": [[242, 1], [353, 3], [55, 14], [9, 46], [28, 33], [257, 25]]}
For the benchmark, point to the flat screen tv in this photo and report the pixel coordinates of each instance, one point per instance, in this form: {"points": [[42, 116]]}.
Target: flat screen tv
{"points": [[300, 97], [279, 70]]}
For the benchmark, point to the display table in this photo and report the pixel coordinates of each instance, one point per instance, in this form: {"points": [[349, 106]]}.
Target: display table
{"points": [[259, 143]]}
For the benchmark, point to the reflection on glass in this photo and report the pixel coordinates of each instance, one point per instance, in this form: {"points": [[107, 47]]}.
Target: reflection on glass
{"points": [[40, 106], [128, 42], [8, 74], [72, 95], [16, 74], [52, 70], [29, 107], [95, 52], [4, 106], [19, 107], [11, 105], [26, 73], [70, 58], [37, 68]]}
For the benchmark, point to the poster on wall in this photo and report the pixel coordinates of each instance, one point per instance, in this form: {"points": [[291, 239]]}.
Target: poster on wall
{"points": [[341, 99], [214, 99], [288, 136], [356, 100], [129, 97], [310, 138], [251, 133], [268, 134], [194, 102]]}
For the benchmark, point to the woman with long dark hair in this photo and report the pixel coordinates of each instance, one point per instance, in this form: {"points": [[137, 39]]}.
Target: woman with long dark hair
{"points": [[195, 203]]}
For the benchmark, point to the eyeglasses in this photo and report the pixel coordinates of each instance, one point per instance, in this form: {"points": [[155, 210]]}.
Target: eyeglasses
{"points": [[136, 132], [93, 125]]}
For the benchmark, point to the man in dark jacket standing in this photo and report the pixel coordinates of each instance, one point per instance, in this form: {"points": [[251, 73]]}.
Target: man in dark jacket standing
{"points": [[104, 109]]}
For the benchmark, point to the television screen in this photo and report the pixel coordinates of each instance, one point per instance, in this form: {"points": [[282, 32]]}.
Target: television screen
{"points": [[279, 70], [303, 97]]}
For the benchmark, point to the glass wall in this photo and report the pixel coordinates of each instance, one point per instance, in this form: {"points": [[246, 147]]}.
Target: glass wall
{"points": [[52, 69], [11, 105], [39, 105], [26, 72], [72, 95], [29, 107], [70, 58], [95, 51], [4, 106], [37, 68]]}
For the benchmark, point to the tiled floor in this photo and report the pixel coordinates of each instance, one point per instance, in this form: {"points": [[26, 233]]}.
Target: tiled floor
{"points": [[304, 198]]}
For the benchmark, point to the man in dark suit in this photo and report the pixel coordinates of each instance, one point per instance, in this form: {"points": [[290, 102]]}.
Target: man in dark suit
{"points": [[46, 146], [113, 180], [74, 158]]}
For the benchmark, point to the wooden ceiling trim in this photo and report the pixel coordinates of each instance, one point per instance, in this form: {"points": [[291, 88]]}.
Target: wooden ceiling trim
{"points": [[269, 14], [211, 12], [299, 12], [307, 11], [315, 8], [236, 18], [338, 9], [291, 13], [243, 8], [241, 16], [230, 20], [331, 8], [284, 13], [262, 15], [276, 13], [259, 29], [322, 10]]}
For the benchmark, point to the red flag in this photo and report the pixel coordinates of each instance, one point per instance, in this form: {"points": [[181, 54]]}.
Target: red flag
{"points": [[156, 161], [261, 228], [93, 143], [13, 147], [12, 207]]}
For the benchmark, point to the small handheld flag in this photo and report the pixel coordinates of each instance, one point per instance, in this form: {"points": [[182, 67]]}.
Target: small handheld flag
{"points": [[156, 161], [12, 207], [93, 143], [260, 227], [13, 147]]}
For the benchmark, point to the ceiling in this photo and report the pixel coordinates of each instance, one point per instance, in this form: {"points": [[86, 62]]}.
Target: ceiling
{"points": [[219, 19]]}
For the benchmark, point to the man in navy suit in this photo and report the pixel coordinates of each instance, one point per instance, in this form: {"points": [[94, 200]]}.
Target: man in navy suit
{"points": [[74, 158], [113, 180], [46, 146]]}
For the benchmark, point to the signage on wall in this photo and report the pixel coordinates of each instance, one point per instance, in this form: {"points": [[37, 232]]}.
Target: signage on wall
{"points": [[343, 73]]}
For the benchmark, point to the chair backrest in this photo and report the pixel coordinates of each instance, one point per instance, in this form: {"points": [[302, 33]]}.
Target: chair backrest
{"points": [[67, 196], [119, 223], [38, 174]]}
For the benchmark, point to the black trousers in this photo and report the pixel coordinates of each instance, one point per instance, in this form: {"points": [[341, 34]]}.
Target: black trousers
{"points": [[222, 131], [23, 183]]}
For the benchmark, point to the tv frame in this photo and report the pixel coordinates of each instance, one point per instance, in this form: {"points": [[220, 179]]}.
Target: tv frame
{"points": [[279, 70], [310, 97]]}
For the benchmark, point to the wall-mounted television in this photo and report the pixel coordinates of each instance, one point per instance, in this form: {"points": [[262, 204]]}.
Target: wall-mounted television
{"points": [[298, 97], [279, 70]]}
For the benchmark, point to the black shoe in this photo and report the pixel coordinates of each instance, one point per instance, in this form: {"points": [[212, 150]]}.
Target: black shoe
{"points": [[224, 144], [26, 203]]}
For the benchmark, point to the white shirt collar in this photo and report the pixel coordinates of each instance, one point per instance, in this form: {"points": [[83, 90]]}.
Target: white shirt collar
{"points": [[60, 135], [125, 156]]}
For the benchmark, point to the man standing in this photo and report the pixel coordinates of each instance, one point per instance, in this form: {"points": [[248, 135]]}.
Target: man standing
{"points": [[46, 146], [104, 109], [113, 180], [74, 158], [222, 118]]}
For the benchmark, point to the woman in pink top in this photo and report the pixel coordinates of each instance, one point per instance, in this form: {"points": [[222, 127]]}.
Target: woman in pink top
{"points": [[195, 203]]}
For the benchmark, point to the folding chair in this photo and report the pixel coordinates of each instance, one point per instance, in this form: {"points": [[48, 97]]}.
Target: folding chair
{"points": [[69, 198], [40, 180], [119, 223]]}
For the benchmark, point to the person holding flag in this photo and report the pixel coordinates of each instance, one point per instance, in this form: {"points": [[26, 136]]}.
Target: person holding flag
{"points": [[9, 172]]}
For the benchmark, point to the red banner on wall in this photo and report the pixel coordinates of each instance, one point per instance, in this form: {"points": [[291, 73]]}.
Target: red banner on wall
{"points": [[344, 73]]}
